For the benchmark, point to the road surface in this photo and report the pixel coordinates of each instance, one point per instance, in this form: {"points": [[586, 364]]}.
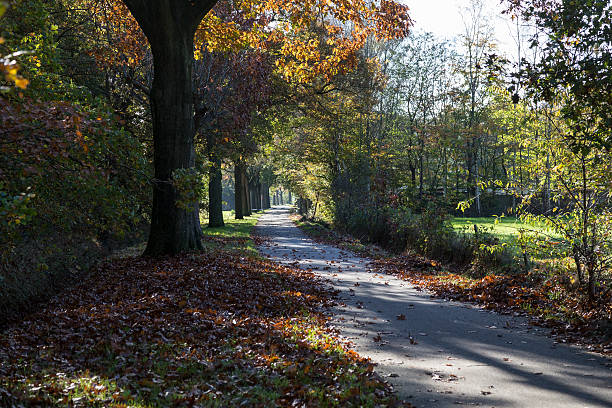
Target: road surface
{"points": [[443, 353]]}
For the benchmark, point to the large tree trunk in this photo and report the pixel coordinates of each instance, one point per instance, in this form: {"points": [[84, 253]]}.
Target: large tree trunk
{"points": [[170, 27], [238, 190], [215, 194], [173, 229]]}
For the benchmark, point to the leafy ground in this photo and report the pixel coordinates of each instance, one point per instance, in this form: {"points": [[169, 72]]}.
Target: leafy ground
{"points": [[546, 298], [212, 328]]}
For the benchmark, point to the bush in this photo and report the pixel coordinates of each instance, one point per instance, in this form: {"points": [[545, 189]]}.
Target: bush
{"points": [[428, 233], [73, 187]]}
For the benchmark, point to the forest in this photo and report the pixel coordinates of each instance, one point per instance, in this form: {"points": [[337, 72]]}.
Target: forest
{"points": [[141, 141]]}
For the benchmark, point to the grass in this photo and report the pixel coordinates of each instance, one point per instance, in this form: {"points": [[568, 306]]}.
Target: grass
{"points": [[235, 236], [505, 228], [541, 243]]}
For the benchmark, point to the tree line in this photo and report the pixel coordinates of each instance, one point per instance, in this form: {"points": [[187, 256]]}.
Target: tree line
{"points": [[119, 117]]}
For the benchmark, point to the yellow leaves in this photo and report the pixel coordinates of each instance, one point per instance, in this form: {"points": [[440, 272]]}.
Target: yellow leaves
{"points": [[21, 83], [287, 26], [216, 35], [34, 60], [11, 73]]}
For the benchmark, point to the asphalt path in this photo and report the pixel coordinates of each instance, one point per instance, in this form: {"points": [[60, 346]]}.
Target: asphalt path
{"points": [[439, 353]]}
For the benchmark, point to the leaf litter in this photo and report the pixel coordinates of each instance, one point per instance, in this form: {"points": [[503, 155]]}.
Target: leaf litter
{"points": [[205, 329]]}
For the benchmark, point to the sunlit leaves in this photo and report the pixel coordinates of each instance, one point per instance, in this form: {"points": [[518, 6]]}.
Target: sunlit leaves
{"points": [[209, 329], [288, 30], [8, 66]]}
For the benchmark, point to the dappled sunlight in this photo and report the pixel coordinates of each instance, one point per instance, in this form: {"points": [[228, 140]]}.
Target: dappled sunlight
{"points": [[439, 352], [196, 329]]}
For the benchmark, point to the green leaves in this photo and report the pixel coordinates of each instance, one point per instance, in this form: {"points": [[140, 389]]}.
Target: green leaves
{"points": [[190, 186], [572, 56]]}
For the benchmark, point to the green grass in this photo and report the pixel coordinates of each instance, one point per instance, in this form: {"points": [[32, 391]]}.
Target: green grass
{"points": [[234, 236], [506, 228]]}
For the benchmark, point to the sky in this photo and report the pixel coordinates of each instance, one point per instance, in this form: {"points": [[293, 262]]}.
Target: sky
{"points": [[443, 18]]}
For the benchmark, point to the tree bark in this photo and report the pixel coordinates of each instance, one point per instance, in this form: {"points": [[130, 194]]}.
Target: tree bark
{"points": [[215, 194], [265, 196], [172, 229], [246, 199], [238, 190], [253, 197], [259, 196], [170, 27]]}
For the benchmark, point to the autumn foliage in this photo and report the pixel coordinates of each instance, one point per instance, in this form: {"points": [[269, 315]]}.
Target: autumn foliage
{"points": [[308, 38]]}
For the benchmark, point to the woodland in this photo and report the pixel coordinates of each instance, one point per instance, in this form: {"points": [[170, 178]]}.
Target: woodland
{"points": [[141, 139]]}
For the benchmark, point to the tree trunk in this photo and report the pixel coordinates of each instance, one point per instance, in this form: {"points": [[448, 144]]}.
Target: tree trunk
{"points": [[421, 153], [246, 202], [173, 229], [259, 196], [238, 190], [247, 197], [170, 27], [477, 178], [215, 194], [252, 198], [265, 195]]}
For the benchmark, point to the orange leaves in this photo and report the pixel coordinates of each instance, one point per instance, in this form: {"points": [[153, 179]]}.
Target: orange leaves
{"points": [[393, 21], [202, 329], [310, 38], [126, 43]]}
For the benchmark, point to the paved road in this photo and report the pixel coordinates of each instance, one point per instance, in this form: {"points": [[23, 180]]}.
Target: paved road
{"points": [[444, 354]]}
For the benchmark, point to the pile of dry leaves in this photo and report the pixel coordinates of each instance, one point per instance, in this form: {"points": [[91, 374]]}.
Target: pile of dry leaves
{"points": [[207, 329]]}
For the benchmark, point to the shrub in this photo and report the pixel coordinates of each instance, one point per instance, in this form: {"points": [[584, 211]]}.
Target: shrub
{"points": [[73, 186], [428, 233]]}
